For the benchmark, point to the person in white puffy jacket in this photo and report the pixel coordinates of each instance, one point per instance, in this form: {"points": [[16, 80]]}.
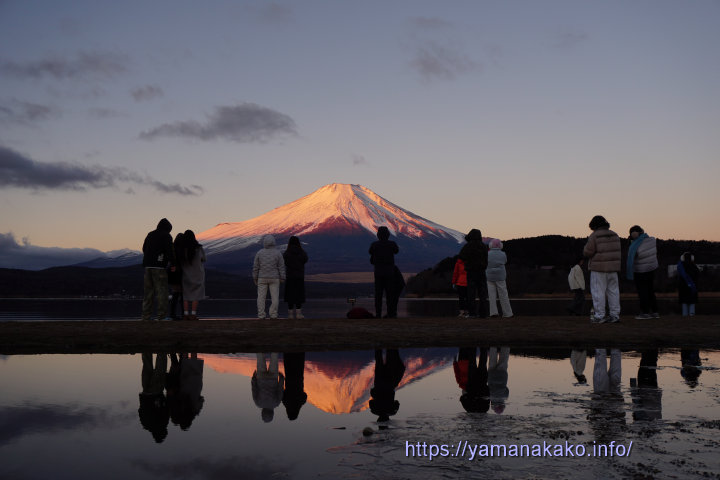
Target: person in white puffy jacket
{"points": [[576, 280], [268, 272], [495, 275]]}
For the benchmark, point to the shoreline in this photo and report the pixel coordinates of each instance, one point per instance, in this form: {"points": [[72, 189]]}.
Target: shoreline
{"points": [[338, 334]]}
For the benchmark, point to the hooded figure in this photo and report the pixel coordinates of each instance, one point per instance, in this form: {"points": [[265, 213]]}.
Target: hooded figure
{"points": [[268, 272], [382, 256], [475, 256], [158, 254]]}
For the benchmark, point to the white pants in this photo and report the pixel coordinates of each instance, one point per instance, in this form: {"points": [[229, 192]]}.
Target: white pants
{"points": [[602, 285], [499, 289], [265, 284]]}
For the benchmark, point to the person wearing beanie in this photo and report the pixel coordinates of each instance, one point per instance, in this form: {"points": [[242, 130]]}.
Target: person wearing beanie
{"points": [[474, 255], [268, 272], [382, 256], [158, 255], [496, 275], [603, 253], [642, 263]]}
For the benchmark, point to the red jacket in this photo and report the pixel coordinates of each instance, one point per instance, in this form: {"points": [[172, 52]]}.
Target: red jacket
{"points": [[459, 276]]}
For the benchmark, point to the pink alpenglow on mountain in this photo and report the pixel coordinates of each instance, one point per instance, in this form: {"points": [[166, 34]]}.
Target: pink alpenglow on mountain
{"points": [[336, 225]]}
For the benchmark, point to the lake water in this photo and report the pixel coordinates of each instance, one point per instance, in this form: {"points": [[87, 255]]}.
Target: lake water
{"points": [[642, 414]]}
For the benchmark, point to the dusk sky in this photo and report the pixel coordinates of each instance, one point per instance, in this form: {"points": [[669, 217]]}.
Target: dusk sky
{"points": [[521, 118]]}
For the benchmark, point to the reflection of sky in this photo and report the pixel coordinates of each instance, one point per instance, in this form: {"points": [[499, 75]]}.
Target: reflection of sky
{"points": [[89, 424]]}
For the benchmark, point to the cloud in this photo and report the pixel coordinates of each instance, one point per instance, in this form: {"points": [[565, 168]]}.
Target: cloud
{"points": [[26, 256], [569, 38], [359, 160], [244, 123], [435, 61], [148, 92], [83, 65], [430, 23], [272, 13], [105, 113], [26, 113], [18, 171]]}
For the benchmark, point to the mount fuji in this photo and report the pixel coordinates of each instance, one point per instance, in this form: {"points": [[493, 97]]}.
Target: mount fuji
{"points": [[336, 225]]}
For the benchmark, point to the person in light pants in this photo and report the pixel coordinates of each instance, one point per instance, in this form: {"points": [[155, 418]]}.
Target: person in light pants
{"points": [[496, 275], [268, 272], [603, 251]]}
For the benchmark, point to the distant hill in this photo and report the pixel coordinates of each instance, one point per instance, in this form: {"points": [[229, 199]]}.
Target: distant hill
{"points": [[539, 265]]}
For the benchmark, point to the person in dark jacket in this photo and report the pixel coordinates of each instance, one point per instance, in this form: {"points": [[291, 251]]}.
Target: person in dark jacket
{"points": [[158, 254], [474, 255], [687, 273], [382, 256], [295, 259]]}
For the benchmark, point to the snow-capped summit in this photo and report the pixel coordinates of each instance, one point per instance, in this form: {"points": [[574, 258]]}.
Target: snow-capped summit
{"points": [[338, 208], [336, 224]]}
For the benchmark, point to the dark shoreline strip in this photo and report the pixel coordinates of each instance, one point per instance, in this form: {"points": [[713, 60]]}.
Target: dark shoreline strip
{"points": [[252, 335]]}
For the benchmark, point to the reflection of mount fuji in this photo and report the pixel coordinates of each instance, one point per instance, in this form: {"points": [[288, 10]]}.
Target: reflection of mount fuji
{"points": [[341, 382]]}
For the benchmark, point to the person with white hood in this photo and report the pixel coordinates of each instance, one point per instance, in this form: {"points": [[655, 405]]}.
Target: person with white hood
{"points": [[268, 272], [495, 274]]}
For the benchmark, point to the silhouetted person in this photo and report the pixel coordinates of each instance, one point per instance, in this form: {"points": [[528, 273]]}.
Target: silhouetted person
{"points": [[192, 260], [474, 255], [687, 274], [153, 411], [471, 374], [294, 396], [388, 374], [498, 377], [158, 255], [576, 281], [184, 389], [175, 280], [382, 256], [690, 371], [295, 259], [267, 386], [642, 263], [646, 396]]}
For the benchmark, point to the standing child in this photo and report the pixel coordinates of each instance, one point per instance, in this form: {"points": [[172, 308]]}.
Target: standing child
{"points": [[576, 280], [496, 275], [459, 282], [687, 283]]}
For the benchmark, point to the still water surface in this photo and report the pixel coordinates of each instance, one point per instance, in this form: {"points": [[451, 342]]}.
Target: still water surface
{"points": [[145, 416]]}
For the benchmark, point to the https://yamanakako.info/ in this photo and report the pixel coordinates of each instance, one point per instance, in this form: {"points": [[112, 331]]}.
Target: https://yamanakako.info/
{"points": [[472, 451]]}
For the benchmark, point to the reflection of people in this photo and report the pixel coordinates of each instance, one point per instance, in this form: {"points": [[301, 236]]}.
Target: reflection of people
{"points": [[157, 256], [184, 387], [471, 375], [576, 280], [153, 411], [688, 274], [642, 263], [382, 256], [267, 386], [388, 374], [268, 272], [498, 377], [475, 256], [294, 396], [646, 396], [690, 371], [607, 406], [603, 251], [193, 276], [295, 259], [577, 361]]}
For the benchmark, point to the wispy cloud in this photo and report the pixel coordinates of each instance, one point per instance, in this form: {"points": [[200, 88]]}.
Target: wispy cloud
{"points": [[434, 61], [26, 113], [19, 171], [245, 123], [82, 65], [100, 112], [359, 160], [272, 13], [145, 93]]}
